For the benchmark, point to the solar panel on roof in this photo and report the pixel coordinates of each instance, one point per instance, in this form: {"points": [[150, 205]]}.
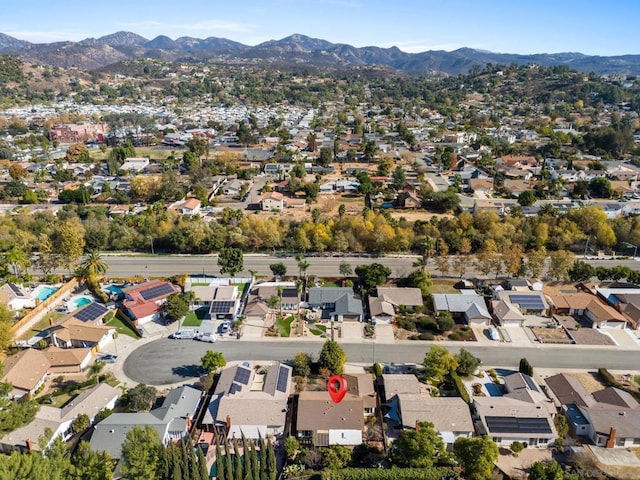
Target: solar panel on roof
{"points": [[518, 425], [242, 375], [527, 301], [532, 385], [157, 291], [222, 306], [283, 379], [91, 312]]}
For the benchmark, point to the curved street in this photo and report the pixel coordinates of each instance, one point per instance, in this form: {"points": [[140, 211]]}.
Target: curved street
{"points": [[165, 361]]}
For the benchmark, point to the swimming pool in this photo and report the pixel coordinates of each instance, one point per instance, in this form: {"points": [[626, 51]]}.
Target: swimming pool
{"points": [[78, 302], [114, 289], [45, 291]]}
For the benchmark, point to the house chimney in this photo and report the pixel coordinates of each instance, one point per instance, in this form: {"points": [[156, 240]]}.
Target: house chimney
{"points": [[29, 445], [228, 424], [611, 442], [189, 423]]}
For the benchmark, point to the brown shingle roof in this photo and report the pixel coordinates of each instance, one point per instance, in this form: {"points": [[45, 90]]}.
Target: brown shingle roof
{"points": [[316, 411]]}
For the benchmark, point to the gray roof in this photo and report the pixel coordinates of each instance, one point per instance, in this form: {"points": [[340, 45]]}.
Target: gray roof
{"points": [[348, 304], [109, 435], [322, 295], [473, 305], [395, 383], [448, 414]]}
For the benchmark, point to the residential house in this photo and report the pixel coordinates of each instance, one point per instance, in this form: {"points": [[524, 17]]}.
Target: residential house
{"points": [[234, 187], [450, 416], [190, 206], [467, 305], [59, 420], [272, 201], [383, 307], [143, 303], [361, 385], [172, 421], [135, 165], [527, 302], [250, 400], [507, 314], [27, 370], [412, 200], [337, 303], [608, 418], [225, 303], [286, 292], [523, 414], [76, 334], [16, 297], [589, 308], [321, 422], [392, 384]]}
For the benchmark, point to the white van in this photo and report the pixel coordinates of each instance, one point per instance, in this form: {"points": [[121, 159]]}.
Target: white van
{"points": [[184, 334], [207, 337]]}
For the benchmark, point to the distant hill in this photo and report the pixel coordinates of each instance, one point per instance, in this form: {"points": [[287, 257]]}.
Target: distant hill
{"points": [[299, 50]]}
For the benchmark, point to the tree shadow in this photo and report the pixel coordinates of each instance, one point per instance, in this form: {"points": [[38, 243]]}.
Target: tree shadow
{"points": [[188, 371]]}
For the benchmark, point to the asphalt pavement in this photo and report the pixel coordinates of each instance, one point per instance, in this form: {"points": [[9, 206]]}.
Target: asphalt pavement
{"points": [[166, 362]]}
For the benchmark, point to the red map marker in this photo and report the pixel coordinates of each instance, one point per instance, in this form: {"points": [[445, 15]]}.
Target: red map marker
{"points": [[337, 387]]}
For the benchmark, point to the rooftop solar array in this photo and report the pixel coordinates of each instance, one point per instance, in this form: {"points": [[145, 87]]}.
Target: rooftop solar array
{"points": [[527, 302], [242, 375], [15, 289], [518, 425], [91, 312], [157, 291], [283, 379], [234, 388], [222, 306], [532, 385]]}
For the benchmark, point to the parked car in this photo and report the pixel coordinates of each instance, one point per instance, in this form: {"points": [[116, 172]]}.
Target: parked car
{"points": [[225, 326], [108, 358], [207, 337], [183, 334], [492, 333]]}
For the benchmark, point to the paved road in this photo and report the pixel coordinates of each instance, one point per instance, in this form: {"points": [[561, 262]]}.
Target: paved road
{"points": [[167, 265], [164, 361]]}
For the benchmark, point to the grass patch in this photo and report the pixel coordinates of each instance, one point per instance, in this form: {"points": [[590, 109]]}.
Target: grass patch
{"points": [[61, 400], [191, 320], [322, 328], [330, 284], [284, 325], [41, 325], [242, 287], [200, 284], [443, 285], [122, 328]]}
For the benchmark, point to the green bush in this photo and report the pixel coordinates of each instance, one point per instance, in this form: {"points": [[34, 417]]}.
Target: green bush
{"points": [[431, 473], [462, 391], [407, 323], [455, 336], [377, 369], [517, 447]]}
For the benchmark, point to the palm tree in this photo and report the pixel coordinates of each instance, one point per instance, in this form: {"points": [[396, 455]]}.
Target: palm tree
{"points": [[95, 369], [17, 259], [280, 290], [92, 266]]}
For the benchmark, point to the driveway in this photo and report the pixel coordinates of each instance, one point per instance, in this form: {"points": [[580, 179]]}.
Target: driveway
{"points": [[624, 338], [384, 334], [518, 336], [253, 329], [351, 331]]}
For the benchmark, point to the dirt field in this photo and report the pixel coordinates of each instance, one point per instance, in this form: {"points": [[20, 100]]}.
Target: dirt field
{"points": [[589, 380]]}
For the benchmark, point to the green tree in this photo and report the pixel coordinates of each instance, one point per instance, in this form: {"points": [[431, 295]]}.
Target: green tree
{"points": [[68, 241], [438, 362], [445, 322], [525, 367], [467, 363], [278, 269], [526, 198], [291, 447], [332, 357], [6, 322], [326, 156], [140, 398], [546, 471], [418, 448], [212, 361], [90, 465], [141, 453], [92, 266], [230, 260], [95, 369], [373, 275], [177, 306], [581, 271], [302, 364], [335, 457], [81, 423], [477, 456]]}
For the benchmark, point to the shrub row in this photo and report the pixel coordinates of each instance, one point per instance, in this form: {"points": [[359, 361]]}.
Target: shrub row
{"points": [[457, 381], [433, 473]]}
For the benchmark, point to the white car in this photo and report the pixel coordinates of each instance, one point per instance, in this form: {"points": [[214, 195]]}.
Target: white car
{"points": [[207, 337]]}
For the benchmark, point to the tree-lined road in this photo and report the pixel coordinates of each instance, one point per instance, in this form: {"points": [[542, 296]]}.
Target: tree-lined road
{"points": [[121, 266], [164, 361]]}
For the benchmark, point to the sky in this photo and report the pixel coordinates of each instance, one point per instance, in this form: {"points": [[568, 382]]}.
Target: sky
{"points": [[594, 27]]}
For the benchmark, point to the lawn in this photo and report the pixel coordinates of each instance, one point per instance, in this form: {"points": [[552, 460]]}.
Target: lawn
{"points": [[41, 325], [330, 284], [191, 320], [284, 325], [443, 285], [122, 328], [318, 329]]}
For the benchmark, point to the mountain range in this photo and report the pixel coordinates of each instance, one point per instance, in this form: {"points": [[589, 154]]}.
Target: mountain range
{"points": [[295, 50]]}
